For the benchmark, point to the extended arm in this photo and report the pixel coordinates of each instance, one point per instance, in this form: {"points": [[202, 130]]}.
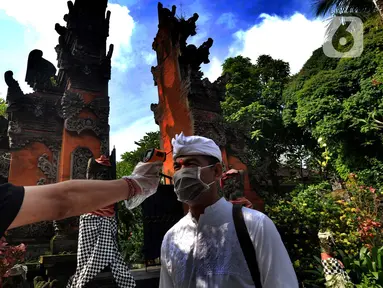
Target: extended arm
{"points": [[75, 197]]}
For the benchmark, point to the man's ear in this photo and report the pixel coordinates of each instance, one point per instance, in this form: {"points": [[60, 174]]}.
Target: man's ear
{"points": [[218, 170]]}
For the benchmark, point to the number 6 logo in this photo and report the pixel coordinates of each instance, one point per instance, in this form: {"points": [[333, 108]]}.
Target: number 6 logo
{"points": [[345, 33]]}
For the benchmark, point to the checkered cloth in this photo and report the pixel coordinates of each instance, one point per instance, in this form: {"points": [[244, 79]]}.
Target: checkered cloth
{"points": [[332, 266], [97, 249]]}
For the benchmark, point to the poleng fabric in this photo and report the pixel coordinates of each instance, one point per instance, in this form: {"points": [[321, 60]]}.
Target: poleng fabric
{"points": [[333, 267], [97, 249]]}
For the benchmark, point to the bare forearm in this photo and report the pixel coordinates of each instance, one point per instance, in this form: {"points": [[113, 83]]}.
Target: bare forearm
{"points": [[84, 196], [70, 198]]}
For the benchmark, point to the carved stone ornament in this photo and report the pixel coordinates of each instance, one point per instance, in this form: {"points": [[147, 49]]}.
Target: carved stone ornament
{"points": [[14, 127], [104, 145], [48, 168], [40, 72], [79, 162], [15, 95], [53, 143], [210, 125], [5, 160], [81, 52], [72, 104], [79, 125]]}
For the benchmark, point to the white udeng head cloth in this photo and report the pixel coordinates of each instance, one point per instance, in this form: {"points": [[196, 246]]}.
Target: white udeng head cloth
{"points": [[195, 145]]}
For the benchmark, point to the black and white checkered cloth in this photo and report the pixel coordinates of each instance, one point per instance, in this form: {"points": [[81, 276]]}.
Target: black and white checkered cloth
{"points": [[97, 249], [332, 266]]}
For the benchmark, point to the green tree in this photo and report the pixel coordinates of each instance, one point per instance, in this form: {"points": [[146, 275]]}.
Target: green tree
{"points": [[254, 105], [340, 103], [323, 7], [3, 107], [130, 230]]}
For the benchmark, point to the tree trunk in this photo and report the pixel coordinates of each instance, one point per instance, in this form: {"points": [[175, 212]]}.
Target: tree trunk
{"points": [[379, 6]]}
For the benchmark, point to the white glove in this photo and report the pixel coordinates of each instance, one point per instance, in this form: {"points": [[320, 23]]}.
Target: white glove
{"points": [[147, 177]]}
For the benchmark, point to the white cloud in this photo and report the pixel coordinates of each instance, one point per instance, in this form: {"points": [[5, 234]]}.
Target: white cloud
{"points": [[40, 33], [38, 18], [124, 139], [212, 70], [227, 19], [291, 39]]}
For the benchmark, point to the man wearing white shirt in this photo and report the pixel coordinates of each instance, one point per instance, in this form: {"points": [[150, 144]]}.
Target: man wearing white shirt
{"points": [[203, 249]]}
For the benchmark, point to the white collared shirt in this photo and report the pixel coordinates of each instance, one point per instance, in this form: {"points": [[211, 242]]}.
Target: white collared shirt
{"points": [[207, 253]]}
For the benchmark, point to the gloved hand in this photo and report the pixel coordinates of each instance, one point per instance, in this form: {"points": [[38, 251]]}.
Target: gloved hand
{"points": [[147, 177]]}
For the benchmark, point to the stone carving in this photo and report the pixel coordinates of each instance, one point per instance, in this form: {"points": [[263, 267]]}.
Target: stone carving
{"points": [[193, 56], [48, 168], [104, 144], [79, 125], [53, 143], [14, 127], [154, 107], [100, 107], [79, 162], [5, 160], [15, 95], [40, 72], [72, 104], [41, 230], [81, 52], [209, 124]]}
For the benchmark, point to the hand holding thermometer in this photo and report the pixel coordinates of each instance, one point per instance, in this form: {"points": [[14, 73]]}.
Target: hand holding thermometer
{"points": [[154, 155]]}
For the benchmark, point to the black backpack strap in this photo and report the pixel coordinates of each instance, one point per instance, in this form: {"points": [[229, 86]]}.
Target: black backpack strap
{"points": [[246, 244]]}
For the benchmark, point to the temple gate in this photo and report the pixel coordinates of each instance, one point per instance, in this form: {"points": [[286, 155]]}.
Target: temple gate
{"points": [[189, 103]]}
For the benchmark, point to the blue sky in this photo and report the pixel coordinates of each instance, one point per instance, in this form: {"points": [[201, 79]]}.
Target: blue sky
{"points": [[284, 29]]}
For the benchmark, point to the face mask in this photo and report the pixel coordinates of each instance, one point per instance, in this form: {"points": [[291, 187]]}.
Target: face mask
{"points": [[188, 184]]}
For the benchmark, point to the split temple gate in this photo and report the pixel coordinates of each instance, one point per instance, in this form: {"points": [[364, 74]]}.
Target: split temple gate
{"points": [[49, 135], [189, 103]]}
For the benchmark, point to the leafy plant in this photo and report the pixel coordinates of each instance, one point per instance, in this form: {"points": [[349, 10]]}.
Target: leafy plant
{"points": [[366, 268]]}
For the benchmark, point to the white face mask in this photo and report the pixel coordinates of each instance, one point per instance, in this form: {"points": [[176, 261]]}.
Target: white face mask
{"points": [[188, 184]]}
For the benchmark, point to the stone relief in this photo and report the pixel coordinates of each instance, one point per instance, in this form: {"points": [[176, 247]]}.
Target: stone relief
{"points": [[79, 125], [79, 162], [5, 160], [48, 168]]}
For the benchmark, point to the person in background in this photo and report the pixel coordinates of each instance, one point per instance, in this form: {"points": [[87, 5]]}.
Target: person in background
{"points": [[204, 249], [97, 242], [26, 205]]}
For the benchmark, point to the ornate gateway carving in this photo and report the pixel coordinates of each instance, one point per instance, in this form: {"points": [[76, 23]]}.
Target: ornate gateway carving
{"points": [[48, 168], [209, 124], [79, 125], [79, 163], [72, 103], [5, 160]]}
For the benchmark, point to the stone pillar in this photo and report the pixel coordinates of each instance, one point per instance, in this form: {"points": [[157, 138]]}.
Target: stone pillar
{"points": [[84, 72], [187, 102], [34, 138]]}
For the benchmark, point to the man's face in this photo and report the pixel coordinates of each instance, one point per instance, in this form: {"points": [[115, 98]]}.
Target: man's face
{"points": [[208, 175]]}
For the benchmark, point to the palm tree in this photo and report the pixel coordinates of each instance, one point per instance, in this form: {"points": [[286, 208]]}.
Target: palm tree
{"points": [[322, 7]]}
